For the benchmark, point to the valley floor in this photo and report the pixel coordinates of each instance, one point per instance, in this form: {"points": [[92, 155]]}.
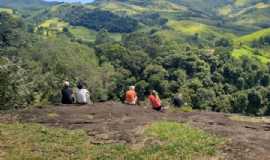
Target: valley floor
{"points": [[111, 123]]}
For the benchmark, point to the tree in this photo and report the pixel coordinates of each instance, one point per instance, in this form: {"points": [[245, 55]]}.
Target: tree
{"points": [[103, 37], [14, 91], [99, 19], [179, 76], [240, 102], [204, 98], [156, 75], [11, 31], [223, 104], [265, 81], [223, 42]]}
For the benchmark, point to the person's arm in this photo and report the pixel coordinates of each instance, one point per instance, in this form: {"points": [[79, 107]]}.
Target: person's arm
{"points": [[150, 99], [72, 96], [88, 100]]}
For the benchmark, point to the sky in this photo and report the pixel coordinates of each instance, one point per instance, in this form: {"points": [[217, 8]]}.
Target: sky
{"points": [[83, 1]]}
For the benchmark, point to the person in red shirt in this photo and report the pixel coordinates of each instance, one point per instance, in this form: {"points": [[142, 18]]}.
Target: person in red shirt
{"points": [[155, 100], [131, 96]]}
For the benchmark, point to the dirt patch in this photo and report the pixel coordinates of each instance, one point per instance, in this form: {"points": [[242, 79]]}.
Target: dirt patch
{"points": [[118, 123]]}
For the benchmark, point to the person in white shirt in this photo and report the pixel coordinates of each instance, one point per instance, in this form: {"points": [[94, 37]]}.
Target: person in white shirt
{"points": [[82, 95]]}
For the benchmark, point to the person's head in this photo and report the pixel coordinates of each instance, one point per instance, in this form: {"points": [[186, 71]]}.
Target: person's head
{"points": [[66, 84], [80, 85], [132, 88], [151, 92], [155, 93]]}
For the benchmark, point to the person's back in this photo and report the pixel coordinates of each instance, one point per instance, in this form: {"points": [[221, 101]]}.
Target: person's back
{"points": [[177, 100], [155, 100], [67, 93], [131, 96], [82, 95]]}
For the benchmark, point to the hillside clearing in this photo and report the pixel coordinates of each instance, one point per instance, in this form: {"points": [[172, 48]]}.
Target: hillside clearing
{"points": [[7, 10], [250, 53], [253, 36], [54, 24]]}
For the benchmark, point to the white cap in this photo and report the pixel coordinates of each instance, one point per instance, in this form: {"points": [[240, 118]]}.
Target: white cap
{"points": [[132, 87], [66, 83]]}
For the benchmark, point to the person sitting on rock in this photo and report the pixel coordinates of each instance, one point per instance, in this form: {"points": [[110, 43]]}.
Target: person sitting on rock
{"points": [[177, 100], [131, 96], [155, 100], [82, 95], [67, 94]]}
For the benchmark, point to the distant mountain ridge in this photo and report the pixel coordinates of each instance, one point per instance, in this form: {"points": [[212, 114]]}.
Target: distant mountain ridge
{"points": [[71, 1], [26, 4]]}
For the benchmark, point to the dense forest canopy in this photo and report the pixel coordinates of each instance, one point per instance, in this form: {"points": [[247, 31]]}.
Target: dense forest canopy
{"points": [[217, 57]]}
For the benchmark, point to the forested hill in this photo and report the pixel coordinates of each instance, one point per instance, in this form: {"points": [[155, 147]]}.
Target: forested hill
{"points": [[216, 53]]}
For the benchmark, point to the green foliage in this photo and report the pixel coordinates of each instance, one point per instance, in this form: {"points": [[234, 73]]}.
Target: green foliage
{"points": [[240, 102], [13, 86], [10, 31], [253, 36], [102, 37], [98, 19], [70, 61], [170, 46], [82, 34], [206, 81], [152, 19]]}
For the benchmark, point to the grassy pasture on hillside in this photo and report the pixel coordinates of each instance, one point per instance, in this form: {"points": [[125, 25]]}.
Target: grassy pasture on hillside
{"points": [[121, 8], [253, 36], [167, 140], [249, 52], [83, 33], [169, 35], [54, 24], [191, 27], [255, 16], [241, 2], [183, 30], [131, 9], [224, 11], [89, 35], [264, 52], [7, 10], [187, 27]]}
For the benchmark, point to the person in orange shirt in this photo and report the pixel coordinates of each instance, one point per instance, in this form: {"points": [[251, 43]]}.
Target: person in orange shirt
{"points": [[155, 101], [131, 96]]}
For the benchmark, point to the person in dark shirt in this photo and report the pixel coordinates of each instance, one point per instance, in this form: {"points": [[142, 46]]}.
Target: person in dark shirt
{"points": [[177, 100], [67, 94]]}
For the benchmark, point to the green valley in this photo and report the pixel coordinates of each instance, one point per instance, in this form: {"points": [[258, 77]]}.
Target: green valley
{"points": [[171, 46], [211, 56]]}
